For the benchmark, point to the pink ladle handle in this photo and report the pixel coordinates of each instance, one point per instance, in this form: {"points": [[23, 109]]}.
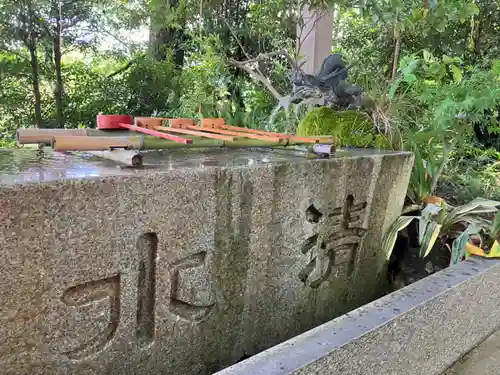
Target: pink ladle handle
{"points": [[156, 133]]}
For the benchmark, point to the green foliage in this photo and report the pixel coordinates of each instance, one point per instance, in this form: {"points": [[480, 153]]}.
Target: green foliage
{"points": [[438, 84], [447, 223], [349, 128], [15, 88], [487, 235]]}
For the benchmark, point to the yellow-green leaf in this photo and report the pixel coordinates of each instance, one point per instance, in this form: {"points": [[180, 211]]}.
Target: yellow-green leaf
{"points": [[457, 73], [473, 205], [459, 245], [474, 250], [427, 55], [472, 9], [495, 251], [447, 59], [430, 237], [392, 233], [428, 216]]}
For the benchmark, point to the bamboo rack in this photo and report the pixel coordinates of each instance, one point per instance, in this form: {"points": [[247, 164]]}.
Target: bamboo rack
{"points": [[112, 142], [83, 143]]}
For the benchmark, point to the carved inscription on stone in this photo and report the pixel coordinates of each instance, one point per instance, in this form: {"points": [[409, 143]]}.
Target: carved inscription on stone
{"points": [[192, 297], [335, 244], [91, 292], [147, 246]]}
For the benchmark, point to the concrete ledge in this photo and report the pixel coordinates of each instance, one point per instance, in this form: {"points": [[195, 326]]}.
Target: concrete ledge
{"points": [[421, 329]]}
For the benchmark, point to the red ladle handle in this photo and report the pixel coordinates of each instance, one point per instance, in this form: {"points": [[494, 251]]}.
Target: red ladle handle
{"points": [[157, 134]]}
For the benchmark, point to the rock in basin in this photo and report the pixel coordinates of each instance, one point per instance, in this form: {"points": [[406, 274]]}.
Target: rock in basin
{"points": [[186, 267]]}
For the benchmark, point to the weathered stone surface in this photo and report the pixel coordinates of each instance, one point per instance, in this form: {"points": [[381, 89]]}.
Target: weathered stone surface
{"points": [[482, 360], [423, 328], [186, 267]]}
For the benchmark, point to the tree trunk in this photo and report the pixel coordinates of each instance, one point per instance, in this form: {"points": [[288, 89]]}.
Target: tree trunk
{"points": [[477, 37], [59, 86], [395, 62], [35, 78], [30, 41], [161, 36], [235, 94]]}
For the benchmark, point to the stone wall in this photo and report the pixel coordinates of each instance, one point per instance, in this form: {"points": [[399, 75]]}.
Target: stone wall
{"points": [[187, 267], [422, 329]]}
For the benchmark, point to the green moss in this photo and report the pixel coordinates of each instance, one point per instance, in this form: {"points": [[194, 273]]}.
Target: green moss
{"points": [[349, 128]]}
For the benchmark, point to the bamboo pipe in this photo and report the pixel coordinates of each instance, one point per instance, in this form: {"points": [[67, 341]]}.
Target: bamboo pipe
{"points": [[44, 136], [152, 143], [75, 143], [127, 157], [71, 143]]}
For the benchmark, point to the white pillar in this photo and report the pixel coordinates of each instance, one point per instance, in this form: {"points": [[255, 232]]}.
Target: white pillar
{"points": [[315, 38]]}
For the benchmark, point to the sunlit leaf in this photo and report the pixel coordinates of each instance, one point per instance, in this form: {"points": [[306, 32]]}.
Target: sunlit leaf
{"points": [[495, 251], [474, 250], [410, 78], [447, 59], [458, 248], [496, 67], [473, 205], [427, 56], [394, 87], [430, 237], [472, 9], [457, 73], [427, 217], [392, 233], [495, 226]]}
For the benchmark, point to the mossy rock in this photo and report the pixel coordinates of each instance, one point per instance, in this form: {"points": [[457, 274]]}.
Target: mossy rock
{"points": [[349, 128]]}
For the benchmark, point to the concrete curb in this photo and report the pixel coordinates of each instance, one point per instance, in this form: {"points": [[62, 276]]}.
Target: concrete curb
{"points": [[421, 329]]}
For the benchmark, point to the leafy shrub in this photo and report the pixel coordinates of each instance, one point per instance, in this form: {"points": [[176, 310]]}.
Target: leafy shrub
{"points": [[349, 128]]}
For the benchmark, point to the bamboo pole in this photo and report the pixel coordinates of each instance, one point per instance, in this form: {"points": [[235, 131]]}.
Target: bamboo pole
{"points": [[127, 157], [71, 143], [154, 144], [75, 143], [68, 143], [44, 136]]}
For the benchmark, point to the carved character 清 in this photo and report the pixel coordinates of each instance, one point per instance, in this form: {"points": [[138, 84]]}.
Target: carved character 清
{"points": [[336, 242]]}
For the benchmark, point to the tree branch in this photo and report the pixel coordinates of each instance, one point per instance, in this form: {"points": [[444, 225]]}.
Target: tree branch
{"points": [[123, 69], [257, 76]]}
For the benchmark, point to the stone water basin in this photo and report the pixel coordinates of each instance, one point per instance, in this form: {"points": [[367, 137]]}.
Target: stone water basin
{"points": [[186, 266]]}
